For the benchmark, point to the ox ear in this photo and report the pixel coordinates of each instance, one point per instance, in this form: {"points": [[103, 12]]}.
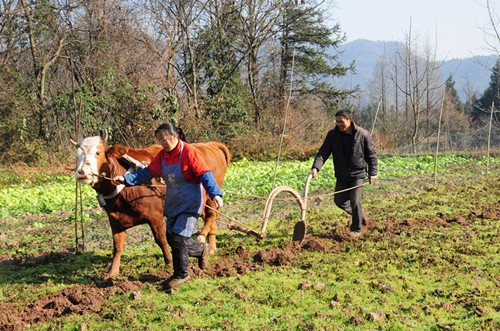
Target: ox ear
{"points": [[117, 151]]}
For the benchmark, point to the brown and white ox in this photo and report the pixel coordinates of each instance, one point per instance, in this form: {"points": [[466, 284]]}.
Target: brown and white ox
{"points": [[130, 206]]}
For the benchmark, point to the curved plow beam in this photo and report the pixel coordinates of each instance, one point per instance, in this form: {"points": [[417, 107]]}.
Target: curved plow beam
{"points": [[270, 200]]}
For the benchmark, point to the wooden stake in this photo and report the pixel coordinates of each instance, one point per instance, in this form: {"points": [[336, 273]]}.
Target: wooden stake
{"points": [[376, 114], [77, 247], [489, 138], [439, 134]]}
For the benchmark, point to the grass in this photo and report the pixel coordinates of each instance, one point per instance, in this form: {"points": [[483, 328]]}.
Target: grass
{"points": [[431, 261]]}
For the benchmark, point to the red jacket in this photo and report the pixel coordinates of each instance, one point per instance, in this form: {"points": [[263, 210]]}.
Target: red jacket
{"points": [[193, 164], [193, 167]]}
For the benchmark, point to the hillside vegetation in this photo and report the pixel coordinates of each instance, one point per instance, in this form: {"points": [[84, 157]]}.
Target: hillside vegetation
{"points": [[233, 71]]}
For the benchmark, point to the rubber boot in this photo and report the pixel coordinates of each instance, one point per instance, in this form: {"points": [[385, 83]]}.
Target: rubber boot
{"points": [[200, 251], [180, 257]]}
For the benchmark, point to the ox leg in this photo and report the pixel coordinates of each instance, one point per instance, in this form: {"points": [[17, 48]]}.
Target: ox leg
{"points": [[160, 235], [211, 238], [118, 244], [210, 218], [202, 237]]}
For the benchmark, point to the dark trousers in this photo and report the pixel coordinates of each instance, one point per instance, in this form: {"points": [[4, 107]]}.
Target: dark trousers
{"points": [[350, 201], [182, 248]]}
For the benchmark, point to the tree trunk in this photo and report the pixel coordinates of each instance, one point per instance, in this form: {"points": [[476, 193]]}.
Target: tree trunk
{"points": [[253, 81]]}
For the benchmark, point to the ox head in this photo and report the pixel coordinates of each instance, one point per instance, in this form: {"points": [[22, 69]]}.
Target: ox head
{"points": [[90, 158]]}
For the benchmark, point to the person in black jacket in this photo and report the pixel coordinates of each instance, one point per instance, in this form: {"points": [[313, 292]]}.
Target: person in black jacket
{"points": [[353, 152]]}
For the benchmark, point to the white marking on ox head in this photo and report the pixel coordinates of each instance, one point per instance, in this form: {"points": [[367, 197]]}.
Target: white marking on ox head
{"points": [[90, 155]]}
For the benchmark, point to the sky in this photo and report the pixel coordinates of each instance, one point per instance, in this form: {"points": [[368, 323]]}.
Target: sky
{"points": [[454, 28]]}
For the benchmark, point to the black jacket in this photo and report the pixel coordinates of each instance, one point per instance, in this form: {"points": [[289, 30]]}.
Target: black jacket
{"points": [[352, 153]]}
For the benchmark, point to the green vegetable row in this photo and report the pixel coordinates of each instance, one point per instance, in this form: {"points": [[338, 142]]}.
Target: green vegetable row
{"points": [[243, 176]]}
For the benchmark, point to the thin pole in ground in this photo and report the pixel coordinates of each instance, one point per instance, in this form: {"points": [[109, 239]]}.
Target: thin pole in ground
{"points": [[376, 114], [284, 121], [489, 138], [439, 134]]}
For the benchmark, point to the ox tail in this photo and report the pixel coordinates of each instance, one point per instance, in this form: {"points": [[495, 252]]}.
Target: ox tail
{"points": [[224, 150]]}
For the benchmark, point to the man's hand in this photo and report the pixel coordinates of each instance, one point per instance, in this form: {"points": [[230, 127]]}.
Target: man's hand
{"points": [[218, 201], [118, 180], [314, 173], [372, 179]]}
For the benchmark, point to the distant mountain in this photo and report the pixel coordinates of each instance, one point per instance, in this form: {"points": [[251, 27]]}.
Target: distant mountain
{"points": [[472, 72]]}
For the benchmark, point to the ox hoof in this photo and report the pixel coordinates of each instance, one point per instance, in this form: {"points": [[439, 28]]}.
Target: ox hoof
{"points": [[111, 275], [109, 278], [202, 239], [211, 249]]}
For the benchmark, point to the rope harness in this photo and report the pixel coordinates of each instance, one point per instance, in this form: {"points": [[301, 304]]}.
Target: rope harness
{"points": [[233, 224], [101, 198], [259, 235]]}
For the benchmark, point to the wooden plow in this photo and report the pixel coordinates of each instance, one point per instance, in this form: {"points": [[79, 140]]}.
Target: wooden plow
{"points": [[300, 229]]}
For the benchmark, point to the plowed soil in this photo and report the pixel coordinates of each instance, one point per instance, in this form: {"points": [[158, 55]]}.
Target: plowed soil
{"points": [[84, 299]]}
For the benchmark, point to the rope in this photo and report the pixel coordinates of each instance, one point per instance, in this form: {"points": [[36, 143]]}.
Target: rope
{"points": [[240, 226], [256, 196], [259, 235], [147, 185], [228, 217], [292, 198]]}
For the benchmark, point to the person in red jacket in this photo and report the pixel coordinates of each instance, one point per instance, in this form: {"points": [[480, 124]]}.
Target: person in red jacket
{"points": [[186, 175]]}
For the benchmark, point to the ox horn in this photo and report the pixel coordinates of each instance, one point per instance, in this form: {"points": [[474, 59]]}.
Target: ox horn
{"points": [[74, 142], [105, 136]]}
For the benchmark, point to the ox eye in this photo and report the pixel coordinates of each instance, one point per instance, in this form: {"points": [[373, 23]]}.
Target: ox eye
{"points": [[97, 153]]}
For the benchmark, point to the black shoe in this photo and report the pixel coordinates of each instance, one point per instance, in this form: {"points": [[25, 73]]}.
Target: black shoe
{"points": [[174, 282], [203, 259]]}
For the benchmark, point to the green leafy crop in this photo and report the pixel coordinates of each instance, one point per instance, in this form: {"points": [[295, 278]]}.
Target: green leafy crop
{"points": [[47, 198], [56, 193]]}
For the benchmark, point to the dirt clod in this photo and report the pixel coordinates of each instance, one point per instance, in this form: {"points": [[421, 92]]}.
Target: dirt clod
{"points": [[375, 317], [319, 286], [242, 296], [334, 304], [480, 311], [304, 286], [356, 320]]}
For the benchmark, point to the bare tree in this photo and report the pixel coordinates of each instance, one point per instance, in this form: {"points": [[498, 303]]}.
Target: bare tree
{"points": [[421, 76], [258, 25], [8, 36], [379, 88], [492, 33], [48, 27], [179, 25], [167, 38]]}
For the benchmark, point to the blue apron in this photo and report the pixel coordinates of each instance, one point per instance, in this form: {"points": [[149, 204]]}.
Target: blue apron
{"points": [[183, 201]]}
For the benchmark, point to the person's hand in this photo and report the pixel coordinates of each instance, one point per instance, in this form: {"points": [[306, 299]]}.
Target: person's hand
{"points": [[372, 179], [314, 173], [118, 180], [218, 201]]}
